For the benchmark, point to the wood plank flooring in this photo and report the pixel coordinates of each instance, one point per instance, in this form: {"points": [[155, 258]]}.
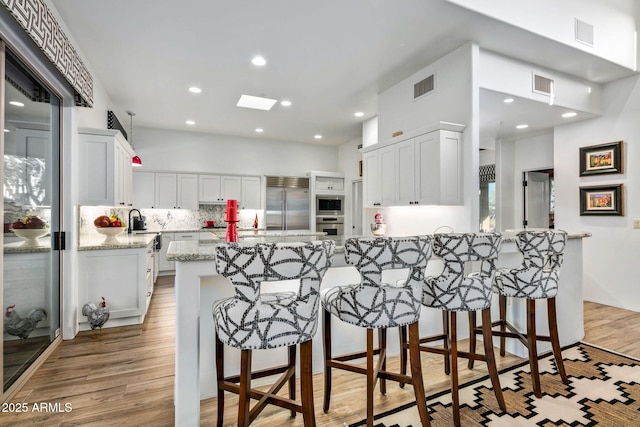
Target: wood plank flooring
{"points": [[124, 376]]}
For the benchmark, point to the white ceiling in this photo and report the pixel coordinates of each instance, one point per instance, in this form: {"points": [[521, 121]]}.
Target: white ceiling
{"points": [[329, 58]]}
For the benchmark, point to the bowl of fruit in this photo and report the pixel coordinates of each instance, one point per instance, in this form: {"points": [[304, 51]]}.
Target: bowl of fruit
{"points": [[110, 227], [30, 228]]}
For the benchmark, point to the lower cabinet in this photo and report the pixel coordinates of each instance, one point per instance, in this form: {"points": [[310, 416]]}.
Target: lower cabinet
{"points": [[124, 277], [163, 264]]}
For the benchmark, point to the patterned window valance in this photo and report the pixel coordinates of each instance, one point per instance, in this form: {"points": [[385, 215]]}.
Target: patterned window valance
{"points": [[38, 21], [488, 173]]}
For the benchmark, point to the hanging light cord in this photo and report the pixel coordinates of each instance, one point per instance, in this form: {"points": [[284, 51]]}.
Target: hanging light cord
{"points": [[131, 114]]}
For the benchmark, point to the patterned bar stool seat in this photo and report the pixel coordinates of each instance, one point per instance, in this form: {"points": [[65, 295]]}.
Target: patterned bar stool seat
{"points": [[373, 304], [536, 278], [252, 320], [454, 291]]}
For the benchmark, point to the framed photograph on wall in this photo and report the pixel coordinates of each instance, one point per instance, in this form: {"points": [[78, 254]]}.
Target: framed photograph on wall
{"points": [[602, 200], [601, 159]]}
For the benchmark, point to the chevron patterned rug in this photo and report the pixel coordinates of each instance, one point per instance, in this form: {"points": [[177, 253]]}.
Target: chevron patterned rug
{"points": [[603, 390]]}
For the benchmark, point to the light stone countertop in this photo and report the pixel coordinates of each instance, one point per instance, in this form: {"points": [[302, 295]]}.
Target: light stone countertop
{"points": [[125, 241], [20, 248]]}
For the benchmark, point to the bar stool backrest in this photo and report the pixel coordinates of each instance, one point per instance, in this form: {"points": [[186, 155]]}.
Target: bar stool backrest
{"points": [[453, 290], [252, 320], [537, 277]]}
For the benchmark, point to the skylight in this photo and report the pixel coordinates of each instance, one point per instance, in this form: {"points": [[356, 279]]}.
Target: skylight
{"points": [[256, 102]]}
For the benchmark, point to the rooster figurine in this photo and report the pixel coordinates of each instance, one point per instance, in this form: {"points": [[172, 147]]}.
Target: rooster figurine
{"points": [[20, 327], [96, 316]]}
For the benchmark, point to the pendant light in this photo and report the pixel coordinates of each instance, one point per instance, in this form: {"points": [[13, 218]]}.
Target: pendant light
{"points": [[135, 160]]}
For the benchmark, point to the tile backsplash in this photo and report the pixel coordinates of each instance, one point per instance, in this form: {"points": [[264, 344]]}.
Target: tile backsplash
{"points": [[169, 219]]}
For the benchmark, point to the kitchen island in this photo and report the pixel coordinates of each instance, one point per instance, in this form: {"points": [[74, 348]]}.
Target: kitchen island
{"points": [[198, 285]]}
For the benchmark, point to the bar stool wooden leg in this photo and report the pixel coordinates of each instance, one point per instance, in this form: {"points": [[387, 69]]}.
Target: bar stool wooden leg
{"points": [[472, 337], [292, 380], [445, 342], [371, 380], [491, 358], [416, 374], [326, 343], [453, 333], [245, 386], [220, 380], [306, 383], [502, 304], [555, 341], [402, 334], [533, 347]]}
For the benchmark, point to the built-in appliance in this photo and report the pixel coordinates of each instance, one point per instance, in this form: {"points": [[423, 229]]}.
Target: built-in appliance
{"points": [[332, 225], [329, 205], [287, 203]]}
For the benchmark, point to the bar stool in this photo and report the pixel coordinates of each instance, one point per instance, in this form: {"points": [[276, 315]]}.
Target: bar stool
{"points": [[453, 291], [537, 278], [252, 320], [373, 304]]}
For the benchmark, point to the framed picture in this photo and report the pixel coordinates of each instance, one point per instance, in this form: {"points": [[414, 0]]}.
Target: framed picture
{"points": [[602, 200], [601, 159]]}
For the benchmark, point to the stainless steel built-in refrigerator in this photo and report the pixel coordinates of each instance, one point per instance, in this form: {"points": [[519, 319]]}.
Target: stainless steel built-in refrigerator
{"points": [[287, 203]]}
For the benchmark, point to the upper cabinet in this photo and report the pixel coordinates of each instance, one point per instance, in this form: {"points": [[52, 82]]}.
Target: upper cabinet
{"points": [[419, 170], [176, 191], [106, 175], [251, 192], [144, 189], [329, 184], [219, 188]]}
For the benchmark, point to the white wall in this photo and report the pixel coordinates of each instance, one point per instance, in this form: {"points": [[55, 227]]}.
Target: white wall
{"points": [[555, 20], [611, 267], [162, 149]]}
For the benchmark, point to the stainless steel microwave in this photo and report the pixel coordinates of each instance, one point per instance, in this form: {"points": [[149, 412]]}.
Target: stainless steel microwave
{"points": [[329, 205]]}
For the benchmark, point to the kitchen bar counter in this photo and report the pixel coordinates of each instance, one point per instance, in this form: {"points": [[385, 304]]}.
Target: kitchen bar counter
{"points": [[198, 285], [125, 241]]}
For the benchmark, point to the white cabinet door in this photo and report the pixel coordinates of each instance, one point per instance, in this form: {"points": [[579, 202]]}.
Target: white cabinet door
{"points": [[327, 183], [371, 179], [166, 190], [386, 173], [144, 190], [187, 191], [163, 264], [438, 173], [230, 187], [405, 173], [251, 192], [209, 188]]}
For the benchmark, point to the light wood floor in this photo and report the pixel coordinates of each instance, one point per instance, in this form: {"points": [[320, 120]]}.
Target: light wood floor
{"points": [[124, 376]]}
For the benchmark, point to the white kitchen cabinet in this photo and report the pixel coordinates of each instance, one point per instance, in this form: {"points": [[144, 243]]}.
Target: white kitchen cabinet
{"points": [[105, 172], [163, 264], [329, 184], [251, 193], [124, 277], [420, 170], [219, 188], [144, 184], [379, 177], [176, 191]]}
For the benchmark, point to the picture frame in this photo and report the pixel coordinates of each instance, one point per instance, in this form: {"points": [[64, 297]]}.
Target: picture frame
{"points": [[602, 200], [602, 159]]}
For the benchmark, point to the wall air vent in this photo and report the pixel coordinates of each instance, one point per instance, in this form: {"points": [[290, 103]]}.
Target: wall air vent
{"points": [[584, 32], [542, 85], [423, 87]]}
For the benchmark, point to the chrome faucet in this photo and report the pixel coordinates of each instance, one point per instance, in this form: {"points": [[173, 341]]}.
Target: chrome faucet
{"points": [[130, 226]]}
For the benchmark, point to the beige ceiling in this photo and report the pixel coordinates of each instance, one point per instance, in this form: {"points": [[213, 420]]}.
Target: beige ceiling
{"points": [[330, 58]]}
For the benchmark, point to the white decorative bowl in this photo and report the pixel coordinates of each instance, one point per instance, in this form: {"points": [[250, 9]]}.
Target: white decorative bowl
{"points": [[110, 234], [30, 235], [378, 229]]}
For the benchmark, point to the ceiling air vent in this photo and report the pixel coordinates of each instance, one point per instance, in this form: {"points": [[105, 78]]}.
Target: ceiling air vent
{"points": [[584, 32], [542, 85], [423, 87]]}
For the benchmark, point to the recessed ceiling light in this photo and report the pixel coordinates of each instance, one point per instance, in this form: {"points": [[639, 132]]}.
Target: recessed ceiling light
{"points": [[16, 103], [508, 100], [190, 122], [569, 114], [318, 136], [256, 102], [194, 89], [358, 114], [7, 130], [522, 126], [259, 61], [259, 130], [285, 103]]}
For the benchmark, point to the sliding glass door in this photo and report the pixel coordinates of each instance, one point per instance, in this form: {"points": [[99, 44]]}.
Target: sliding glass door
{"points": [[31, 210]]}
